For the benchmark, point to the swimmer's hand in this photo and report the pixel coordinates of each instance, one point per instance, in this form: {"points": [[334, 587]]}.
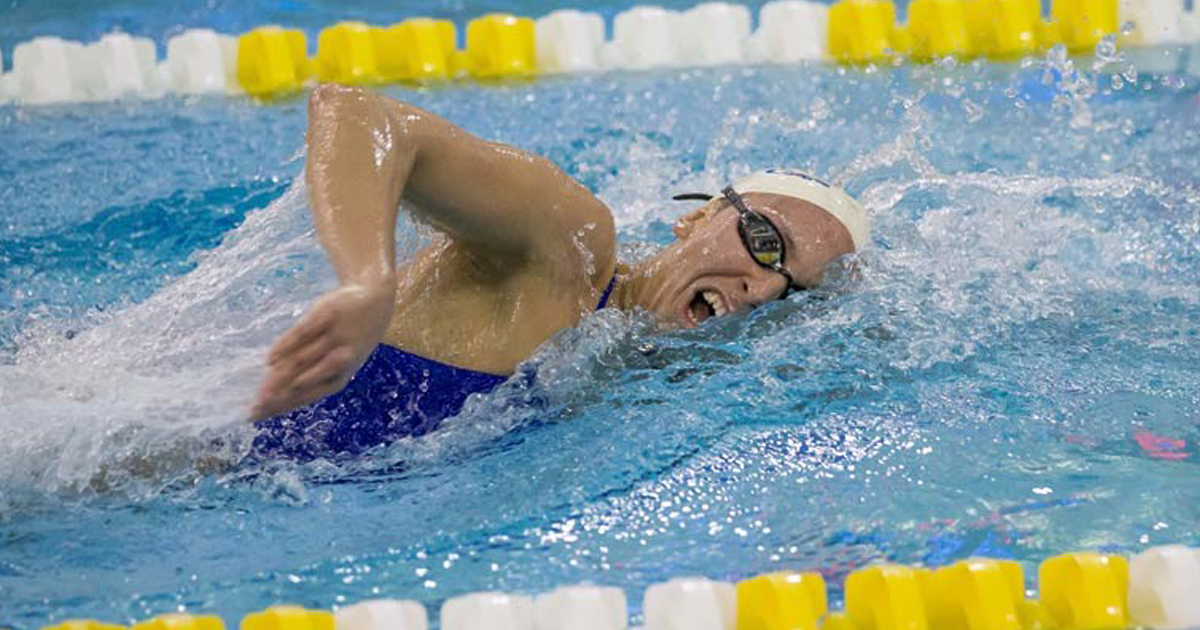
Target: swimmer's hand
{"points": [[319, 354]]}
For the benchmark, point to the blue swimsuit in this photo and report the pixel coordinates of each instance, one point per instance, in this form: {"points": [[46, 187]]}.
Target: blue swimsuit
{"points": [[393, 395]]}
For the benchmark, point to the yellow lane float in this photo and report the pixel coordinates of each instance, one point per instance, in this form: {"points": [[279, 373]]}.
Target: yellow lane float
{"points": [[939, 28], [181, 621], [976, 594], [1085, 591], [862, 31], [781, 601], [501, 45], [888, 597], [288, 618], [272, 60], [1005, 29], [418, 49], [346, 54]]}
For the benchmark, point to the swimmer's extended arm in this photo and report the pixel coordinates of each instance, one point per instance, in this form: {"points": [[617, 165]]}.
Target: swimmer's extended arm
{"points": [[365, 153]]}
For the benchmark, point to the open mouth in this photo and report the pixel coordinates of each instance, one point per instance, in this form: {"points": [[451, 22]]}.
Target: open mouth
{"points": [[705, 304]]}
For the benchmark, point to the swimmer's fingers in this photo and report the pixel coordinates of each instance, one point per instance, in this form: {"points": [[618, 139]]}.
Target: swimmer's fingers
{"points": [[270, 400], [327, 376], [283, 379], [263, 408], [318, 355], [312, 326], [301, 359]]}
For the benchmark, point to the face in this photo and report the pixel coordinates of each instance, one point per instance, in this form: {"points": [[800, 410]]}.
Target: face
{"points": [[707, 271]]}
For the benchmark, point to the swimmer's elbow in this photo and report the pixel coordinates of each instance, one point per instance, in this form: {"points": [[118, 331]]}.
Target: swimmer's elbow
{"points": [[330, 104], [330, 100]]}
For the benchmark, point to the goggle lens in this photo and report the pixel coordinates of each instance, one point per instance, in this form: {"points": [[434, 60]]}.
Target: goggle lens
{"points": [[763, 241]]}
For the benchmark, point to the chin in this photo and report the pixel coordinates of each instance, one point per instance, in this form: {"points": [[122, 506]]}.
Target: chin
{"points": [[667, 322], [670, 324]]}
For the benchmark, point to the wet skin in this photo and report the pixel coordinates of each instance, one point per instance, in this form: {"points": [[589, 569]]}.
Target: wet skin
{"points": [[525, 251]]}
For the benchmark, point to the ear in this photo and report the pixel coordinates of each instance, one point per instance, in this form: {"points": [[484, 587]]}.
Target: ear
{"points": [[687, 223]]}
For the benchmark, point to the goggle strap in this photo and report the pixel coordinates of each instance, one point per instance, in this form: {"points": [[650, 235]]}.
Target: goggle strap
{"points": [[692, 197], [735, 199]]}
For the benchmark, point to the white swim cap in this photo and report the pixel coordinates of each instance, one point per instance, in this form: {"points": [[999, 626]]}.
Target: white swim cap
{"points": [[799, 185]]}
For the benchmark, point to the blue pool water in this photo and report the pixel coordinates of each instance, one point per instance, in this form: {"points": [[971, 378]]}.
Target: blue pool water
{"points": [[1014, 370]]}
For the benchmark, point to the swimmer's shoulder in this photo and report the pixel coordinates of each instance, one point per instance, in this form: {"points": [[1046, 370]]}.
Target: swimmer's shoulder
{"points": [[598, 235], [590, 230]]}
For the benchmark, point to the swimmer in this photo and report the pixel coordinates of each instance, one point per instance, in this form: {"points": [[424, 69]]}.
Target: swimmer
{"points": [[527, 252]]}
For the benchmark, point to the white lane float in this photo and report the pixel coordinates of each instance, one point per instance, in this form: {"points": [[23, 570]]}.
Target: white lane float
{"points": [[582, 607], [643, 38], [791, 31], [121, 66], [382, 614], [488, 611], [569, 41], [714, 33], [690, 604], [1156, 33], [1154, 22], [200, 61], [1164, 588], [48, 70]]}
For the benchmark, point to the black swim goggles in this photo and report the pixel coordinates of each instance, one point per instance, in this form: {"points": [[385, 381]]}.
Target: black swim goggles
{"points": [[762, 239]]}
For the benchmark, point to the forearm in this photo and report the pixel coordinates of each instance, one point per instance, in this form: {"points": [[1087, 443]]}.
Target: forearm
{"points": [[359, 158]]}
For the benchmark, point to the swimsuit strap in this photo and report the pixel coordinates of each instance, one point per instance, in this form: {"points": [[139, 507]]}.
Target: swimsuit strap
{"points": [[607, 292]]}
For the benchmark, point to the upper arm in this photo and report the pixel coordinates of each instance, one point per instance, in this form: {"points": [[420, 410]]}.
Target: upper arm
{"points": [[498, 199]]}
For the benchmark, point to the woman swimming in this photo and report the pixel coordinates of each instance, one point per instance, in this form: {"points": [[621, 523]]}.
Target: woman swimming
{"points": [[527, 252]]}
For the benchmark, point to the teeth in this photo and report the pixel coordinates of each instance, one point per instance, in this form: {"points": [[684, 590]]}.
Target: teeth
{"points": [[714, 300]]}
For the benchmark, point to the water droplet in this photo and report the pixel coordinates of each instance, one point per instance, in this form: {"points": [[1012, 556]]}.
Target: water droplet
{"points": [[974, 111]]}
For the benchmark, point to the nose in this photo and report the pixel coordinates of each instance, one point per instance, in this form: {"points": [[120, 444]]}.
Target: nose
{"points": [[763, 286]]}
